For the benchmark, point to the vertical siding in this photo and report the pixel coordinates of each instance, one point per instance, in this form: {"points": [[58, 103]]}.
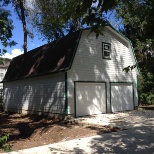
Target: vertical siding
{"points": [[88, 64], [45, 93]]}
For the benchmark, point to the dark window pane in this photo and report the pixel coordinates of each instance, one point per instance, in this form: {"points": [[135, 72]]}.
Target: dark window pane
{"points": [[106, 54]]}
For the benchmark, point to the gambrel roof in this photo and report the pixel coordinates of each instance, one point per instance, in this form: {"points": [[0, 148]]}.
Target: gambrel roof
{"points": [[56, 56], [53, 57]]}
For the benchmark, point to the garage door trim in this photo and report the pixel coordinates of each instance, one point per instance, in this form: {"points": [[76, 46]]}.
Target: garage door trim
{"points": [[132, 83], [75, 82]]}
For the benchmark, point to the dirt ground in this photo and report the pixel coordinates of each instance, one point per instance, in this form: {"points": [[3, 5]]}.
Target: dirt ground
{"points": [[27, 131]]}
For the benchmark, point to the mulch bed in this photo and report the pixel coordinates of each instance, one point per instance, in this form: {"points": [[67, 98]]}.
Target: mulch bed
{"points": [[27, 131]]}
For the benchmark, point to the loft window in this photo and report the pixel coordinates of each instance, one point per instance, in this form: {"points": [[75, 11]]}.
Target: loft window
{"points": [[106, 50]]}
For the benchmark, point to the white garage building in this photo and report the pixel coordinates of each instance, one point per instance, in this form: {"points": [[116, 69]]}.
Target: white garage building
{"points": [[78, 74]]}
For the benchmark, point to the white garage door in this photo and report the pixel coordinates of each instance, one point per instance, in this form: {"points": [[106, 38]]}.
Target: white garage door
{"points": [[121, 97], [90, 98]]}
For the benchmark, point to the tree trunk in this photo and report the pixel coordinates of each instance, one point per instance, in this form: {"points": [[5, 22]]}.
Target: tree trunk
{"points": [[22, 9]]}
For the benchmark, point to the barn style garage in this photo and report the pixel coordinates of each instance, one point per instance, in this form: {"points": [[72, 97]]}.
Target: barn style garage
{"points": [[78, 74]]}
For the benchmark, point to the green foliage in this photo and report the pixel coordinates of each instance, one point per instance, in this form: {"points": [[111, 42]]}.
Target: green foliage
{"points": [[147, 99], [129, 68], [3, 143], [146, 88], [137, 17], [4, 60], [6, 27], [53, 18], [19, 7], [150, 99]]}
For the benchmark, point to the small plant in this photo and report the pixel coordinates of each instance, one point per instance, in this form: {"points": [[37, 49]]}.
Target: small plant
{"points": [[147, 98], [150, 99], [3, 143]]}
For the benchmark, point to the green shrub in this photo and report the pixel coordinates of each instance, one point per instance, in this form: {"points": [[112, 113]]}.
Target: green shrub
{"points": [[147, 98], [143, 98], [3, 143], [150, 99], [146, 88]]}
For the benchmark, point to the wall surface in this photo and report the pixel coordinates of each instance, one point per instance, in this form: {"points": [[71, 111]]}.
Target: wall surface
{"points": [[44, 93], [2, 74], [88, 64]]}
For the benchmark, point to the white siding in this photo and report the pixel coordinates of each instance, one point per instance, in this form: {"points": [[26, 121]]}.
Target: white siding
{"points": [[44, 93], [2, 74], [88, 64]]}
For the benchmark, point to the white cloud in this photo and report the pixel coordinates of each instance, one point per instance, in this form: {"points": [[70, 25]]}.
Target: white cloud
{"points": [[14, 53]]}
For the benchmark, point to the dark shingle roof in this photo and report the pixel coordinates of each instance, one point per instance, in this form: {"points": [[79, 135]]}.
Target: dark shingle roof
{"points": [[53, 57]]}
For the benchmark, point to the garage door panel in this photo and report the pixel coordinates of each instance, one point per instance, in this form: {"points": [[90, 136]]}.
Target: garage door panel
{"points": [[90, 98], [121, 97]]}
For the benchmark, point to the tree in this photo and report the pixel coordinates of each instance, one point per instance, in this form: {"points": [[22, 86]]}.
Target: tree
{"points": [[137, 17], [6, 28], [20, 8], [54, 18]]}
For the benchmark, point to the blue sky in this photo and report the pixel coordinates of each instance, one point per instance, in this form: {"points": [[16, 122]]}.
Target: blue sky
{"points": [[18, 37], [36, 42]]}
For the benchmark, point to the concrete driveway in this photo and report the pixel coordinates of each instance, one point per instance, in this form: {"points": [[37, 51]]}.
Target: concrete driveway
{"points": [[137, 136]]}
